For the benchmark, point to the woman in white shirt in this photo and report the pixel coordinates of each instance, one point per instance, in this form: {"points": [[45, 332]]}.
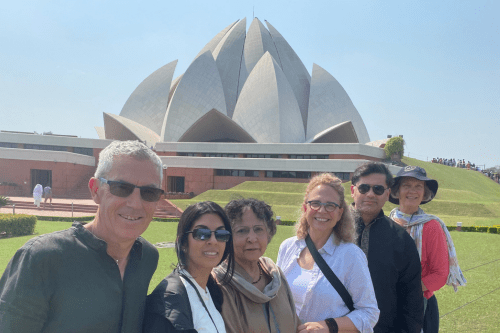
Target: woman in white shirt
{"points": [[328, 221], [189, 299]]}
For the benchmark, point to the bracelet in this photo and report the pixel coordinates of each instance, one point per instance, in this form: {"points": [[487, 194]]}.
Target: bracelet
{"points": [[332, 325]]}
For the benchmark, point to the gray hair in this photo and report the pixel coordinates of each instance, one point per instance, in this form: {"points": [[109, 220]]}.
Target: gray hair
{"points": [[235, 209], [134, 149], [428, 195]]}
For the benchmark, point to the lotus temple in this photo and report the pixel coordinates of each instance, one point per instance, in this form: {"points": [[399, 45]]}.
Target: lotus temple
{"points": [[245, 109]]}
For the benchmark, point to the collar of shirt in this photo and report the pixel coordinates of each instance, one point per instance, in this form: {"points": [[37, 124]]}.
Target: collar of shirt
{"points": [[328, 248], [98, 244]]}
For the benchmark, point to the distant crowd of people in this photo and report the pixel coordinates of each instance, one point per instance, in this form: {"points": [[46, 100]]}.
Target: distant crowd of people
{"points": [[469, 166], [494, 176], [458, 164]]}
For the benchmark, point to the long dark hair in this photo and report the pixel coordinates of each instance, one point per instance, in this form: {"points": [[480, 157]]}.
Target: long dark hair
{"points": [[186, 222]]}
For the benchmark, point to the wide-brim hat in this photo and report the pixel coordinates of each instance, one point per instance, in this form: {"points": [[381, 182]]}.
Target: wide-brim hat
{"points": [[417, 173]]}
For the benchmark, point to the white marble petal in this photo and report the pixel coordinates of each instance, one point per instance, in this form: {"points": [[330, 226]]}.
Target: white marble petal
{"points": [[228, 55], [199, 91], [216, 40], [100, 132], [216, 127], [257, 43], [267, 108], [329, 105], [121, 128], [174, 85], [294, 70], [148, 103], [340, 133]]}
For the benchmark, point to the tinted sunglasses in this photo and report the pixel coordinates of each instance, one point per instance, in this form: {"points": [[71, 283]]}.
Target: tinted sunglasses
{"points": [[329, 206], [377, 189], [123, 190], [204, 234]]}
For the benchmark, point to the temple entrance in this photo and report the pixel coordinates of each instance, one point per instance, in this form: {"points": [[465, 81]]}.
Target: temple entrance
{"points": [[175, 184], [43, 177]]}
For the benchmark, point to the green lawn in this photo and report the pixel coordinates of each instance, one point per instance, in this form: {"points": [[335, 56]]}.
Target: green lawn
{"points": [[463, 196], [475, 307]]}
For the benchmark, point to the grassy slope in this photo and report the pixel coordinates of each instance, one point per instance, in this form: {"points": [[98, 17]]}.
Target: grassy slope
{"points": [[465, 196]]}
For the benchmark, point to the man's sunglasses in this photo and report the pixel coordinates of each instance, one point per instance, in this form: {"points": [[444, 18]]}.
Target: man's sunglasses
{"points": [[123, 190], [204, 234], [377, 189]]}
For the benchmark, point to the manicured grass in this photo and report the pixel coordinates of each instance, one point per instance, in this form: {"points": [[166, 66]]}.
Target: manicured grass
{"points": [[476, 305], [479, 258], [463, 196]]}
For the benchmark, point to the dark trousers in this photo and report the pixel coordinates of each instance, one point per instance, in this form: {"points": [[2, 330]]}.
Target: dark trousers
{"points": [[431, 316]]}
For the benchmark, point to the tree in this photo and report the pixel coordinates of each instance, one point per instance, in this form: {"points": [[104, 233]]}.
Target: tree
{"points": [[395, 146]]}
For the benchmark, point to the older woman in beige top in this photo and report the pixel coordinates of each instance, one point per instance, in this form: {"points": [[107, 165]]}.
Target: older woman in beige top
{"points": [[258, 298]]}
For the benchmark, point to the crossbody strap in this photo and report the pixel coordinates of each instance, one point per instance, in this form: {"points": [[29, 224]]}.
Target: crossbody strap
{"points": [[199, 296], [329, 274]]}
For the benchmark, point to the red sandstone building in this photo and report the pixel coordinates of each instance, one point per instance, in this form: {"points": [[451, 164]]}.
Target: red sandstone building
{"points": [[66, 163]]}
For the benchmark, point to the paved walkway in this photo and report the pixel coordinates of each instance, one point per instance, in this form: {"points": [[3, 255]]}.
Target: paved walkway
{"points": [[41, 212]]}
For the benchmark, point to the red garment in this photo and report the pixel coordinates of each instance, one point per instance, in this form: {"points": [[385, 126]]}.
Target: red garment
{"points": [[435, 265]]}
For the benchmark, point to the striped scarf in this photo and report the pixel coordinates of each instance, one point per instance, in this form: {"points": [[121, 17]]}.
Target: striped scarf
{"points": [[415, 227]]}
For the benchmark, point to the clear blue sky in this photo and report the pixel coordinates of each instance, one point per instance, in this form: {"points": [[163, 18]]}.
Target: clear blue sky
{"points": [[429, 70]]}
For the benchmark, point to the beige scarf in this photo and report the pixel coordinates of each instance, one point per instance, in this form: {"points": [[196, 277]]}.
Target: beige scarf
{"points": [[247, 309]]}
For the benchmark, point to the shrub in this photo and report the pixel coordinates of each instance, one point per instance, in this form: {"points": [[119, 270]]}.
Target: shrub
{"points": [[482, 229], [493, 230], [65, 219], [451, 228], [169, 219], [287, 222], [467, 229], [395, 145], [17, 225], [3, 201]]}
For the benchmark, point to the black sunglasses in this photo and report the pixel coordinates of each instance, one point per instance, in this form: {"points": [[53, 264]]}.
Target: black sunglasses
{"points": [[329, 206], [377, 189], [204, 234], [123, 190]]}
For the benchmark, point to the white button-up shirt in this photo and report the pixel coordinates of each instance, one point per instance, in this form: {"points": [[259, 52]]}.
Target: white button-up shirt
{"points": [[321, 300]]}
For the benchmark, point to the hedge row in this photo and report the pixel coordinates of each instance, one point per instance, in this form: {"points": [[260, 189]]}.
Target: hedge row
{"points": [[490, 230], [170, 219], [90, 218], [17, 225], [65, 219]]}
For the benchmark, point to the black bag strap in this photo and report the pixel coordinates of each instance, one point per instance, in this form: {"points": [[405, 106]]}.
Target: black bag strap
{"points": [[199, 296], [329, 274]]}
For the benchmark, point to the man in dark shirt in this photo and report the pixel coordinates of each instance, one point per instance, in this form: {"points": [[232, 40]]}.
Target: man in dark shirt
{"points": [[392, 256], [92, 277]]}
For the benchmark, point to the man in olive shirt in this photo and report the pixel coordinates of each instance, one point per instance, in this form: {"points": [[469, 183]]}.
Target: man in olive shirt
{"points": [[92, 277]]}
